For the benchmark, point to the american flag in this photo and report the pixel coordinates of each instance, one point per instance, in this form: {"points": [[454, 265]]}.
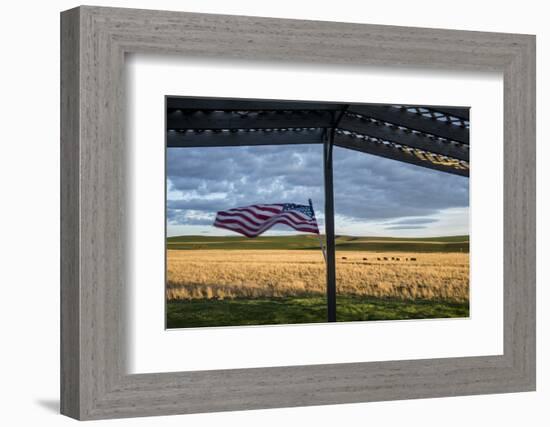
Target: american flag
{"points": [[253, 220]]}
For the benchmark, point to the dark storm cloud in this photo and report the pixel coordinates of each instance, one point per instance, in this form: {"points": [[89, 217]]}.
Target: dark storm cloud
{"points": [[365, 187], [213, 179], [369, 187]]}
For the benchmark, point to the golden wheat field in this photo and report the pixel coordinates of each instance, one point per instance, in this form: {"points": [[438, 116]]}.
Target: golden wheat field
{"points": [[221, 274]]}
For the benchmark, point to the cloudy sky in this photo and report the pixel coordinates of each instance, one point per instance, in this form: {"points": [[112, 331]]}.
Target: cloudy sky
{"points": [[373, 196]]}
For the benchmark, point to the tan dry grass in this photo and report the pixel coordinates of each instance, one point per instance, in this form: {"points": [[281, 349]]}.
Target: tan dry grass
{"points": [[223, 274]]}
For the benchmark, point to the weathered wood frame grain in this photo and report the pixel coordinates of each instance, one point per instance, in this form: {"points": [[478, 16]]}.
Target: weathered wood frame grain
{"points": [[94, 381]]}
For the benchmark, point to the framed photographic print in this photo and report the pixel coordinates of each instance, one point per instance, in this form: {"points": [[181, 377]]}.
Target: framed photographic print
{"points": [[337, 245], [344, 212]]}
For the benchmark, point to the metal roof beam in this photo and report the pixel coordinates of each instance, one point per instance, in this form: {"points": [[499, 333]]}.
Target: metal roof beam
{"points": [[243, 138], [406, 137], [402, 117], [394, 153], [182, 119], [184, 103], [460, 113]]}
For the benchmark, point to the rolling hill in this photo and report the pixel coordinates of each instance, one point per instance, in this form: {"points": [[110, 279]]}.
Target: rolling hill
{"points": [[305, 241]]}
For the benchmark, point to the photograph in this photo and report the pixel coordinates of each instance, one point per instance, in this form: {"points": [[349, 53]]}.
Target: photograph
{"points": [[294, 212]]}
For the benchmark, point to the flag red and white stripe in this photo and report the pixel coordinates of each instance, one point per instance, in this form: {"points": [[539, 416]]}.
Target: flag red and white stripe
{"points": [[253, 220]]}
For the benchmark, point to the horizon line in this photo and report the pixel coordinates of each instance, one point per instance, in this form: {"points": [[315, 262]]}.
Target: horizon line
{"points": [[322, 234]]}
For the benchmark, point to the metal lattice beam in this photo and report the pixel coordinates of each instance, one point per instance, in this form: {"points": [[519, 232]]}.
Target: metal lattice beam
{"points": [[404, 136], [402, 117], [392, 151], [434, 137], [177, 119], [243, 137], [203, 104], [462, 114]]}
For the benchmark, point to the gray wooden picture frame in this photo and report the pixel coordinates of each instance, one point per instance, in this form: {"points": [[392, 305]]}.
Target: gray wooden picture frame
{"points": [[94, 381]]}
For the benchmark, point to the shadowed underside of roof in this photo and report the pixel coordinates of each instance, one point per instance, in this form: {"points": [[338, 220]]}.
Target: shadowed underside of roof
{"points": [[434, 137]]}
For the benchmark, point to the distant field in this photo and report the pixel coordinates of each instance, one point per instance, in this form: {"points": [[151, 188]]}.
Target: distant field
{"points": [[286, 283], [343, 243]]}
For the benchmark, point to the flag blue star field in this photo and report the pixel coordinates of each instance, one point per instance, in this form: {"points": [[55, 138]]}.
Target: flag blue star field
{"points": [[253, 220]]}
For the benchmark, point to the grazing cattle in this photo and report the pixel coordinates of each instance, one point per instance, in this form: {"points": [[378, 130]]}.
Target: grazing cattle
{"points": [[406, 259], [385, 259], [392, 258], [397, 259], [378, 259], [364, 259], [344, 257], [413, 259]]}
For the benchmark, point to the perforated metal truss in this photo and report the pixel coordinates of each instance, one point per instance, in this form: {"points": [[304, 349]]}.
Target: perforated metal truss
{"points": [[432, 137]]}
